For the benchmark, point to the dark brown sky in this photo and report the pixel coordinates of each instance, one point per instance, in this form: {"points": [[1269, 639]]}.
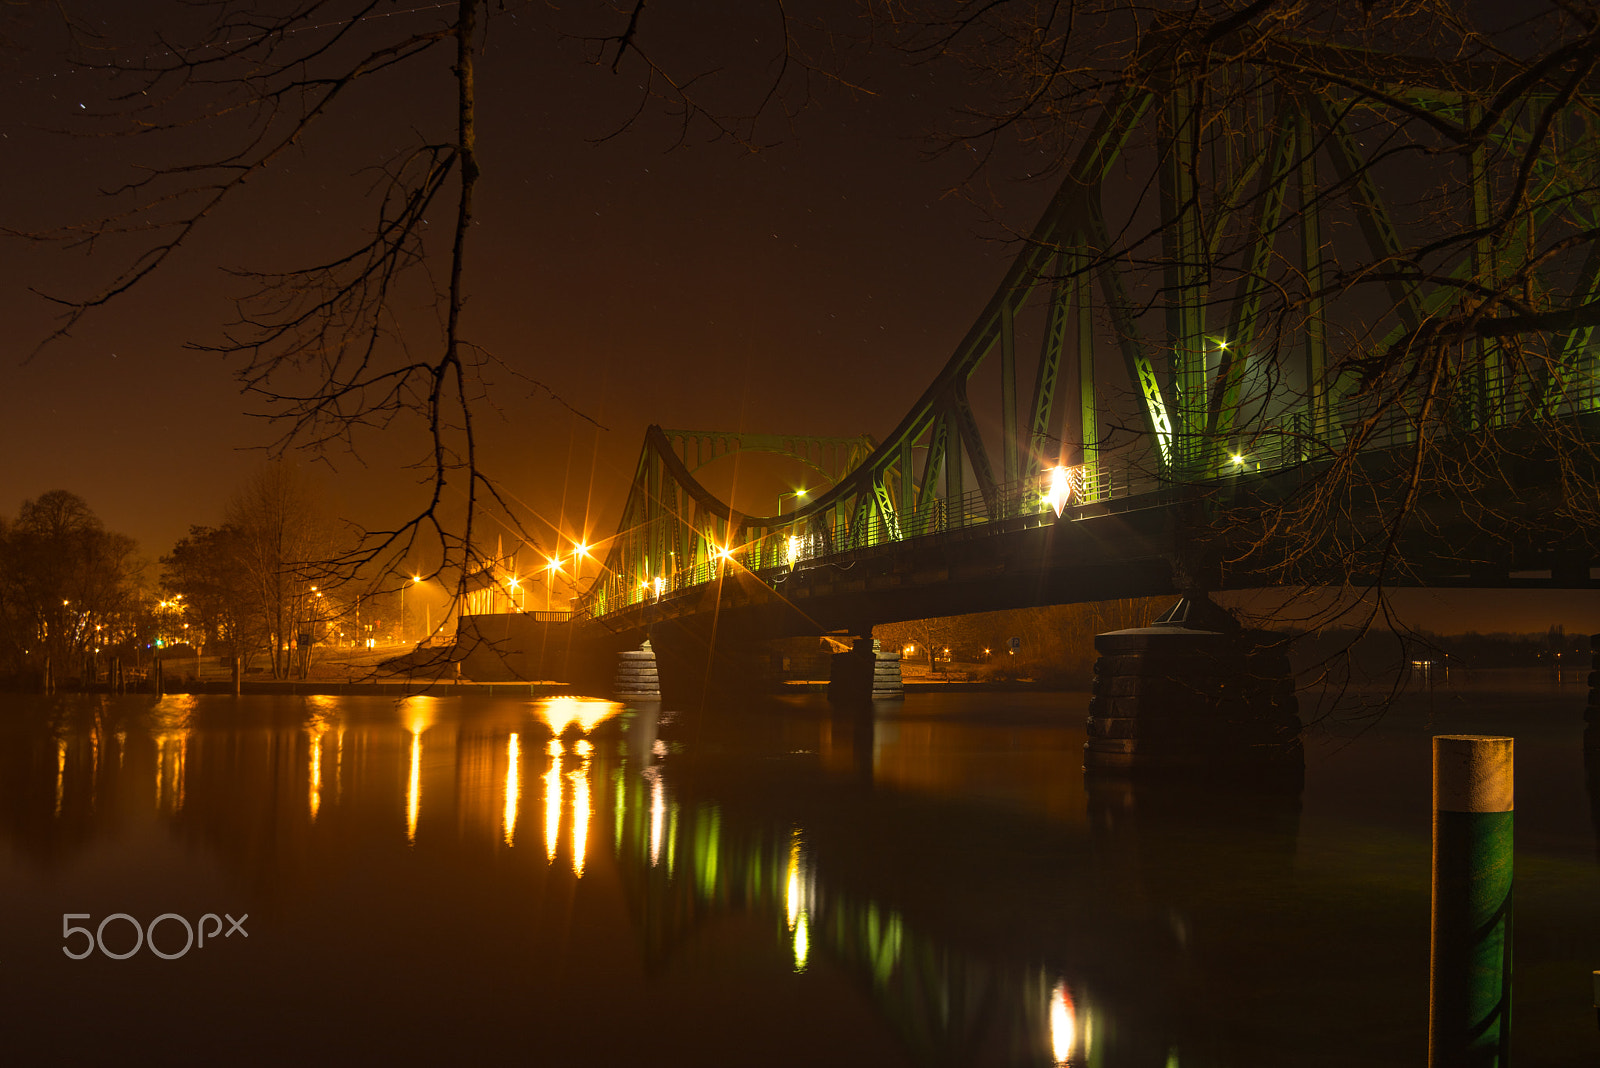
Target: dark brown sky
{"points": [[816, 286]]}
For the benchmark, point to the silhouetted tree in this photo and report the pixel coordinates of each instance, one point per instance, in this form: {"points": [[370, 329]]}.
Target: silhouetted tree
{"points": [[68, 586], [208, 569], [282, 539]]}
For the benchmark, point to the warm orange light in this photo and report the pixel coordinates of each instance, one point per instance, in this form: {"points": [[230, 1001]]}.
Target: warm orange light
{"points": [[1060, 490], [61, 772], [586, 712], [414, 786], [315, 799], [582, 808], [1063, 1024], [552, 801], [658, 815], [513, 788]]}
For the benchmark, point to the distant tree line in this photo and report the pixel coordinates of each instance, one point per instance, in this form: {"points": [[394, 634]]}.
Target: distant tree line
{"points": [[1055, 645], [75, 597], [1379, 653]]}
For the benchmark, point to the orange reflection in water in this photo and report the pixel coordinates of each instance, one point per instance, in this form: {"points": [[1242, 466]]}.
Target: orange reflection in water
{"points": [[419, 713], [171, 733], [513, 788], [61, 771], [94, 755], [582, 810], [414, 787], [315, 800], [560, 714], [557, 780], [552, 801], [584, 712], [324, 711]]}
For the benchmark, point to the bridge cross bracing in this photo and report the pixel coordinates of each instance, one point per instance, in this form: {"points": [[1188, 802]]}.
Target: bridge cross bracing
{"points": [[1244, 272]]}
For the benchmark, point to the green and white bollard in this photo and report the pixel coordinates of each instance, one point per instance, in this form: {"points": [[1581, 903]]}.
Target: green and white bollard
{"points": [[1469, 1018]]}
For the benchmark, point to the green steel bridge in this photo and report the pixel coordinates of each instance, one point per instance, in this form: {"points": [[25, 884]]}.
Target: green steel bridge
{"points": [[1254, 285]]}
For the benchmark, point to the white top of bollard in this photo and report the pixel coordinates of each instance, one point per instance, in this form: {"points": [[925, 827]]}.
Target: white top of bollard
{"points": [[1472, 773]]}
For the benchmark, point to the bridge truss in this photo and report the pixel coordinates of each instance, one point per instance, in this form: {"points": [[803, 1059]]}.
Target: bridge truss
{"points": [[1260, 257]]}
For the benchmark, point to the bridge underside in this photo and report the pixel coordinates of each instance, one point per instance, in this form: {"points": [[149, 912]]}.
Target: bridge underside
{"points": [[1035, 562]]}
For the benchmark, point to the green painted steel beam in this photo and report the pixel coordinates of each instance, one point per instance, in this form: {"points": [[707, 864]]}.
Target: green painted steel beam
{"points": [[1088, 405], [938, 447], [971, 445], [1241, 333], [908, 500], [886, 511], [1311, 269], [1108, 137], [1008, 394], [954, 490], [1042, 408], [1125, 325], [1185, 271], [1372, 217]]}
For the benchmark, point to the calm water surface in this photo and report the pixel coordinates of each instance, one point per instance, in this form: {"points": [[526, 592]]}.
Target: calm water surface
{"points": [[565, 882]]}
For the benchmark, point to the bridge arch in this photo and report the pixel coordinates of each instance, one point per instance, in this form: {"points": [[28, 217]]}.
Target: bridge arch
{"points": [[1234, 279]]}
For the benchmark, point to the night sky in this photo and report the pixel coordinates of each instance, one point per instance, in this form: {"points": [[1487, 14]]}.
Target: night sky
{"points": [[815, 286]]}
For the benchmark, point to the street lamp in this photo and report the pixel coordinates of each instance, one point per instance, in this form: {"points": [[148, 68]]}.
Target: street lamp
{"points": [[552, 565], [414, 580], [796, 495]]}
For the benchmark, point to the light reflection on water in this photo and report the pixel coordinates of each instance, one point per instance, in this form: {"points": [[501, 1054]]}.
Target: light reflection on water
{"points": [[918, 872], [1063, 1024], [513, 788], [552, 800]]}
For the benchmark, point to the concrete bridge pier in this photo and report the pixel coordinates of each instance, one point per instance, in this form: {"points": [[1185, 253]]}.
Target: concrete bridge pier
{"points": [[1192, 691], [865, 673]]}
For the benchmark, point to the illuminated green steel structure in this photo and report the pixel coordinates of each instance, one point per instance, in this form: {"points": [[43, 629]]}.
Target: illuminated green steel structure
{"points": [[1204, 383]]}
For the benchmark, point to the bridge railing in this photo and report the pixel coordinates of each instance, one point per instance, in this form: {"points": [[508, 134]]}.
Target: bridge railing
{"points": [[1293, 438], [808, 546]]}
